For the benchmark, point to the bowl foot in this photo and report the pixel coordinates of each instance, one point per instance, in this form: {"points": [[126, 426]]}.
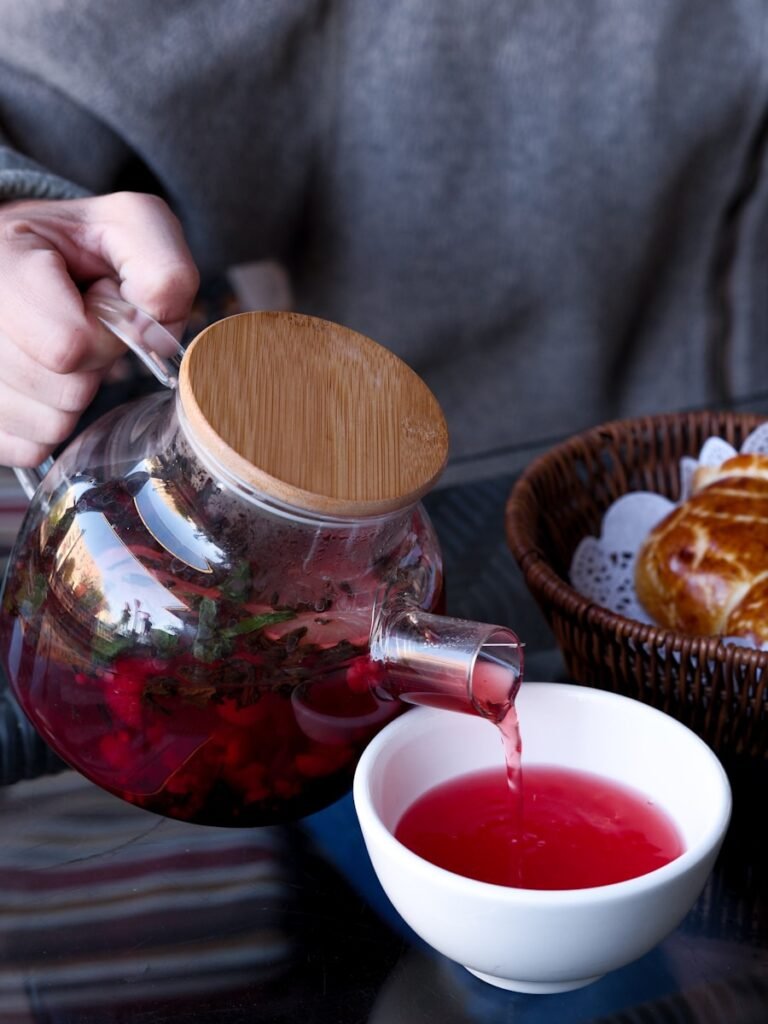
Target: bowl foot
{"points": [[534, 987]]}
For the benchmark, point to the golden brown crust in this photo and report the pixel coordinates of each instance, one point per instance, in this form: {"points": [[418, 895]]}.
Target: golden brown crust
{"points": [[739, 465], [704, 568], [748, 617]]}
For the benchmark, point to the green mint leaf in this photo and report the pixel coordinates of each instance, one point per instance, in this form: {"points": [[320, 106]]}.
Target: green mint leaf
{"points": [[207, 645], [237, 585], [212, 650], [254, 622], [206, 617]]}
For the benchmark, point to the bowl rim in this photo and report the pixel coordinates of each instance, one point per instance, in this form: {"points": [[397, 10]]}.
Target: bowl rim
{"points": [[371, 821]]}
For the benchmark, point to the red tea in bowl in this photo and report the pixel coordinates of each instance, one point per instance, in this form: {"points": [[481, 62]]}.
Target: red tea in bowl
{"points": [[560, 829]]}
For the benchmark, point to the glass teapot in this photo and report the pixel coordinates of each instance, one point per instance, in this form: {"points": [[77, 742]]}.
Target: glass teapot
{"points": [[222, 591]]}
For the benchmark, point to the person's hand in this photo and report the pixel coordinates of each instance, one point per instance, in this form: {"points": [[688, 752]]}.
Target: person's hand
{"points": [[52, 354]]}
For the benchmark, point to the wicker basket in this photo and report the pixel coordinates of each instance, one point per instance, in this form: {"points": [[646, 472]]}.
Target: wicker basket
{"points": [[719, 691]]}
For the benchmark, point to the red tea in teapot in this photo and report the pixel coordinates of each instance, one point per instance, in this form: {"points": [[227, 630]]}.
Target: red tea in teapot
{"points": [[240, 712]]}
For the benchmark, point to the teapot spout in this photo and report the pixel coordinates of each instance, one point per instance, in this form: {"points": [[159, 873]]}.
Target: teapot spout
{"points": [[448, 663]]}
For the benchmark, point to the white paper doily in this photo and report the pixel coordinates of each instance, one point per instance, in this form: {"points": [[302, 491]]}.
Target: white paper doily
{"points": [[603, 568]]}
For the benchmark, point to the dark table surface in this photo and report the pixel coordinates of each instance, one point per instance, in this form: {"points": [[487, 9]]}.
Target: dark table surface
{"points": [[111, 914]]}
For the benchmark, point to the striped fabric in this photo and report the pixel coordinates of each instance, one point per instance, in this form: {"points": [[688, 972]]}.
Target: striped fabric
{"points": [[102, 904]]}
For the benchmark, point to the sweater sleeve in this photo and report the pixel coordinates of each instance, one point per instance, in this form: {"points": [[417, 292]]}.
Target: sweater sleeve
{"points": [[22, 178], [50, 148]]}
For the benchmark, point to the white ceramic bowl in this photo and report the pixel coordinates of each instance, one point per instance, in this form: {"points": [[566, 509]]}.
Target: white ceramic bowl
{"points": [[532, 940]]}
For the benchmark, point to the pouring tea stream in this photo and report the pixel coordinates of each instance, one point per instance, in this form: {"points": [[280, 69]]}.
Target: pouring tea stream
{"points": [[222, 591]]}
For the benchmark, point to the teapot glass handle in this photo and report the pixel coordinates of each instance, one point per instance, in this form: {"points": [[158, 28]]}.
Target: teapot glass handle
{"points": [[155, 346]]}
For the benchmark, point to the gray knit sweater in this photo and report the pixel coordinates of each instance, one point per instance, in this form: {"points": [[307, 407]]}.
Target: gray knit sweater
{"points": [[554, 211]]}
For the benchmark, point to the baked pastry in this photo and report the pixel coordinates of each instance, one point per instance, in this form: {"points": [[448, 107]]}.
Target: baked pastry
{"points": [[703, 569]]}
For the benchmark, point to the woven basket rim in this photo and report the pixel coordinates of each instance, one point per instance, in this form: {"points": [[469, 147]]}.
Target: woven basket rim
{"points": [[551, 587]]}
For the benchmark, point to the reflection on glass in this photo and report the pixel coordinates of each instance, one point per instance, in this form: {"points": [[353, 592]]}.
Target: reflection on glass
{"points": [[174, 527], [95, 575], [223, 682]]}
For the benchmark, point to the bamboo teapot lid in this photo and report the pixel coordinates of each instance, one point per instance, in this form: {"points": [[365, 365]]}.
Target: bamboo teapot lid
{"points": [[312, 413]]}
